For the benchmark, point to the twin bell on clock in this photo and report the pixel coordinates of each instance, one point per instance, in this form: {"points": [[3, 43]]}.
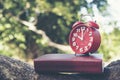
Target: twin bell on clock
{"points": [[84, 38]]}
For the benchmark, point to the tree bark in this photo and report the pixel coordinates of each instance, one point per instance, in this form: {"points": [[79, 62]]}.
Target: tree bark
{"points": [[11, 69]]}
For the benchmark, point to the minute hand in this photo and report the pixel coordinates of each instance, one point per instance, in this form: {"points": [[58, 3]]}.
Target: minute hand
{"points": [[82, 33]]}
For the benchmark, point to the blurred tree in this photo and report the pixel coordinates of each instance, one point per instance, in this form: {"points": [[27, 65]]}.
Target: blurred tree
{"points": [[40, 26], [110, 44]]}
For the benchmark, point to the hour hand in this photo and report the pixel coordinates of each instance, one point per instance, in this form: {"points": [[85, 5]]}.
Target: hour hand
{"points": [[81, 38]]}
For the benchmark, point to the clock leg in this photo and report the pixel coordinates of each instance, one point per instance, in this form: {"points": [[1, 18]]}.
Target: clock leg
{"points": [[78, 55]]}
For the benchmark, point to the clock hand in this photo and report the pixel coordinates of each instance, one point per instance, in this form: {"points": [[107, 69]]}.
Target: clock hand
{"points": [[80, 38], [82, 34]]}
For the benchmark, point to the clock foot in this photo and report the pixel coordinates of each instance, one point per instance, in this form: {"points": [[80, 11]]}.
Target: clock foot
{"points": [[69, 63], [78, 55]]}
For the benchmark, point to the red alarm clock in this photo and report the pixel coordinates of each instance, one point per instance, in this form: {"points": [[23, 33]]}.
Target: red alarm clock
{"points": [[84, 38]]}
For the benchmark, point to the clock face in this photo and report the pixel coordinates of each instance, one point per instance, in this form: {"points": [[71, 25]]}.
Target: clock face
{"points": [[81, 39]]}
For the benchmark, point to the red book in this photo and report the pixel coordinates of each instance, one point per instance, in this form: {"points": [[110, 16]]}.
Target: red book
{"points": [[68, 63]]}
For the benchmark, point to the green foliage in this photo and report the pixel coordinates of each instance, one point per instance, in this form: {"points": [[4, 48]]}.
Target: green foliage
{"points": [[55, 17], [110, 44]]}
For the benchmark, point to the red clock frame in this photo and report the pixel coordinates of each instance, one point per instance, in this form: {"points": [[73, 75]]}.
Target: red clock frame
{"points": [[84, 38]]}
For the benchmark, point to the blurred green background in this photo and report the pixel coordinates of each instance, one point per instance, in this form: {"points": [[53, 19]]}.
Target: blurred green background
{"points": [[30, 28]]}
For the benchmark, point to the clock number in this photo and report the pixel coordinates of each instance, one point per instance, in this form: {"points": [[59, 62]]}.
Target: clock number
{"points": [[74, 44], [90, 33], [86, 48], [89, 44], [91, 39], [82, 28], [75, 34], [81, 49], [78, 30], [77, 47], [73, 39]]}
